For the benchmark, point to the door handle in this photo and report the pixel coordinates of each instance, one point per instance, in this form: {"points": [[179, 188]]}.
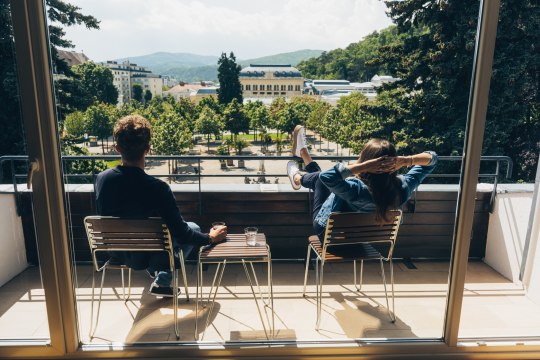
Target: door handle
{"points": [[32, 167]]}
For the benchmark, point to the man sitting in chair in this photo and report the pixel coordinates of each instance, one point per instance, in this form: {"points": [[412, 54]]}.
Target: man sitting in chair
{"points": [[127, 191]]}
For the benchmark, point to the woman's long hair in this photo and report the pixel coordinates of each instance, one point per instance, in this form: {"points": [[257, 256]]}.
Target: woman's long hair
{"points": [[384, 187]]}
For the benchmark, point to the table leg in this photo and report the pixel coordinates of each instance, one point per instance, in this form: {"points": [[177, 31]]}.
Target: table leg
{"points": [[255, 298]]}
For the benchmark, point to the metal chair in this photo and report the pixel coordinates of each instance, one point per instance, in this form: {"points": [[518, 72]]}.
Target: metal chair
{"points": [[353, 237], [110, 234]]}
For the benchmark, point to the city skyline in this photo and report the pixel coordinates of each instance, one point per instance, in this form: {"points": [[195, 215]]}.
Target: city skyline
{"points": [[250, 29]]}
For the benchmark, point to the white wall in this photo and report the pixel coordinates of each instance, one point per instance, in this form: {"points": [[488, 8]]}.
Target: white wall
{"points": [[12, 248], [506, 233], [531, 277]]}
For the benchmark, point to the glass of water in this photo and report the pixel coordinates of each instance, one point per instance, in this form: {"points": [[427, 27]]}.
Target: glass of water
{"points": [[251, 235]]}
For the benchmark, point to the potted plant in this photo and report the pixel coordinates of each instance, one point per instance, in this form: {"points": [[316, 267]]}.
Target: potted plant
{"points": [[227, 143], [222, 150], [239, 145]]}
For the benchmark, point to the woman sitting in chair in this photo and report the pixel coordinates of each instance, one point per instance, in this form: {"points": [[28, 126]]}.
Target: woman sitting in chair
{"points": [[369, 185]]}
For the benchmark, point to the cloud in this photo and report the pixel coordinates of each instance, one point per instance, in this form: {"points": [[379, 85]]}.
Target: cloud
{"points": [[250, 28]]}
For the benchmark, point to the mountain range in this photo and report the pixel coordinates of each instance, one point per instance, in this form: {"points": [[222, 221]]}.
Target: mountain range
{"points": [[192, 67]]}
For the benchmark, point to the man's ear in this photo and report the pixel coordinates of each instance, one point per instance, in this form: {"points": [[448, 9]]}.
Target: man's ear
{"points": [[147, 150], [116, 147]]}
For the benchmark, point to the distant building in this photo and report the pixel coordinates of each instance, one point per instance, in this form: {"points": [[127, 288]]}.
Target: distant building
{"points": [[72, 58], [378, 80], [183, 90], [126, 74], [201, 93], [271, 81], [331, 90], [169, 81]]}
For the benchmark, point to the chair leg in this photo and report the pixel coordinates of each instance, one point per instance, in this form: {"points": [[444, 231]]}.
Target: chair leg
{"points": [[307, 266], [359, 287], [392, 317], [93, 329], [319, 310], [183, 267], [361, 274], [129, 284], [175, 303], [123, 286]]}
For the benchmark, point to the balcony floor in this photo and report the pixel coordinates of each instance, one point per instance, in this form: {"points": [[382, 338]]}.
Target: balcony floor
{"points": [[493, 306]]}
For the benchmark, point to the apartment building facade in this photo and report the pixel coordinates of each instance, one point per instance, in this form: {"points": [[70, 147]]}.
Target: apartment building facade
{"points": [[125, 74]]}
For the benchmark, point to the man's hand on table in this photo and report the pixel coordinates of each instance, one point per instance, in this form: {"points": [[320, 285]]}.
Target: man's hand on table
{"points": [[217, 234]]}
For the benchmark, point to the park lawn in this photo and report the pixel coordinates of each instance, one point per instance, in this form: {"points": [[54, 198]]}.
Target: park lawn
{"points": [[112, 163], [249, 137]]}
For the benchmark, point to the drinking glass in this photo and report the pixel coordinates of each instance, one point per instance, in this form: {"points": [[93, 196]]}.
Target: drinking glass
{"points": [[218, 223], [251, 235]]}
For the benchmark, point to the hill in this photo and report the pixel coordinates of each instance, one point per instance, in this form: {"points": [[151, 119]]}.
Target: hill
{"points": [[161, 62], [292, 58], [192, 67]]}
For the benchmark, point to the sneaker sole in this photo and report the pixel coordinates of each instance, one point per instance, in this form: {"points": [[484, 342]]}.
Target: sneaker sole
{"points": [[295, 136], [291, 178]]}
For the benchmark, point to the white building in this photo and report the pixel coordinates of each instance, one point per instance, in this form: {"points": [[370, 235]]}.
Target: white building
{"points": [[331, 90], [126, 74], [183, 90]]}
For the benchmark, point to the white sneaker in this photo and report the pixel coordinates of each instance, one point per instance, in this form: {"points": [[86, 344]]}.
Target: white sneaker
{"points": [[292, 170], [299, 140]]}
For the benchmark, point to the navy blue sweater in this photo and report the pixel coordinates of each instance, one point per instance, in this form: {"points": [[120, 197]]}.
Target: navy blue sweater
{"points": [[127, 191]]}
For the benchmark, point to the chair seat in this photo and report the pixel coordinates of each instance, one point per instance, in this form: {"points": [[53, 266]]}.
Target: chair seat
{"points": [[351, 252]]}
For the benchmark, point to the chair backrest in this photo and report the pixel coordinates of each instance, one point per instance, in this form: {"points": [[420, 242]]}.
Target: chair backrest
{"points": [[356, 228], [108, 233]]}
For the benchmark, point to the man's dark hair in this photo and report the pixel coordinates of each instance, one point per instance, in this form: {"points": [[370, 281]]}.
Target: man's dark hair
{"points": [[132, 134]]}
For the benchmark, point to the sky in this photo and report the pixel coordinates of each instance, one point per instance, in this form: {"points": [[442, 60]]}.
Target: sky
{"points": [[249, 28]]}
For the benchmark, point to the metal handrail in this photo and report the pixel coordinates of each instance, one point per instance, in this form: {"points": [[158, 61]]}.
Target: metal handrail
{"points": [[11, 159]]}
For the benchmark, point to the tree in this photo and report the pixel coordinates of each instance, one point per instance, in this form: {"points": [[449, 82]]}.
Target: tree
{"points": [[235, 119], [209, 123], [147, 96], [61, 14], [170, 136], [100, 119], [137, 92], [433, 59], [259, 120], [75, 124], [188, 111], [228, 77], [354, 63], [88, 84]]}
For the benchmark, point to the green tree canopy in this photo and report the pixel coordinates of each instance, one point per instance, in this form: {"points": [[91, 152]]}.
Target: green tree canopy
{"points": [[60, 14], [147, 96], [433, 59], [229, 82], [209, 123], [100, 119], [170, 135], [235, 119], [353, 63], [137, 92], [75, 124]]}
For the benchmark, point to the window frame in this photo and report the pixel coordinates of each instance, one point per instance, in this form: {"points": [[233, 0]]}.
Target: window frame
{"points": [[37, 97]]}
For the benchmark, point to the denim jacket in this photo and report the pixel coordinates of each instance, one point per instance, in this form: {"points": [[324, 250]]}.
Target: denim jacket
{"points": [[351, 193]]}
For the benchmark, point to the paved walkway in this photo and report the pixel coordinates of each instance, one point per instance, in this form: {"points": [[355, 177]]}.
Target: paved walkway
{"points": [[270, 171]]}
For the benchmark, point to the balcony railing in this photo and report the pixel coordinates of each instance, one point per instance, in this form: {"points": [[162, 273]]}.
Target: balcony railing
{"points": [[17, 165]]}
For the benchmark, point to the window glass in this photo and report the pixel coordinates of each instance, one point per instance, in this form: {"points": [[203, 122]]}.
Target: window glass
{"points": [[23, 313], [502, 293], [399, 54]]}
